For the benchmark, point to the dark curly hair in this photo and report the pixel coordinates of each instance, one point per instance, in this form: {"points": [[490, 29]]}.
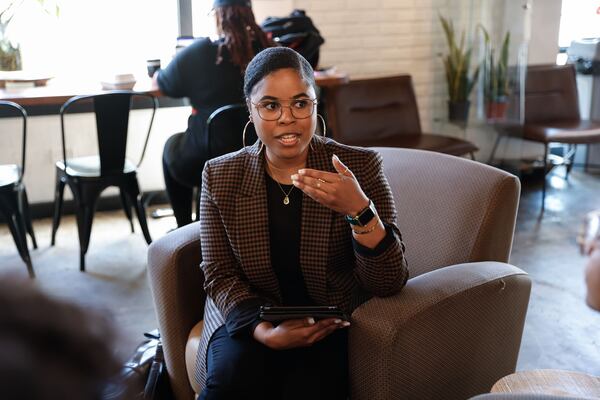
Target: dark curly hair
{"points": [[50, 349], [237, 26], [273, 59]]}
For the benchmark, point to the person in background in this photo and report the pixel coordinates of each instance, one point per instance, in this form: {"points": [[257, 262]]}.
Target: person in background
{"points": [[589, 242], [211, 75], [296, 219], [50, 349]]}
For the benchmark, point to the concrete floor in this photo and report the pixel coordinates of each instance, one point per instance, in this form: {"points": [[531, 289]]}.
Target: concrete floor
{"points": [[561, 331]]}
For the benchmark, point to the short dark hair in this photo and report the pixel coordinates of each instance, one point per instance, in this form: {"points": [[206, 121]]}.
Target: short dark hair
{"points": [[273, 59]]}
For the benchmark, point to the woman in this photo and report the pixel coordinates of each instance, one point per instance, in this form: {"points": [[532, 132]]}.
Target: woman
{"points": [[210, 74], [274, 227]]}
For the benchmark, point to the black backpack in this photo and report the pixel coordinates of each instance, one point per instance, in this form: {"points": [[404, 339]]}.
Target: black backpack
{"points": [[297, 32]]}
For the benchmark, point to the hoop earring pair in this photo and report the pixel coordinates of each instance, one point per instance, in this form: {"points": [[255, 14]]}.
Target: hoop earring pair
{"points": [[262, 145]]}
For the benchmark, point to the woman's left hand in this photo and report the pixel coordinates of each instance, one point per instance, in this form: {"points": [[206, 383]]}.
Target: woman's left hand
{"points": [[339, 191]]}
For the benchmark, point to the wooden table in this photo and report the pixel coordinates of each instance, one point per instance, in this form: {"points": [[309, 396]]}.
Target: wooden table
{"points": [[551, 382], [330, 79], [56, 93]]}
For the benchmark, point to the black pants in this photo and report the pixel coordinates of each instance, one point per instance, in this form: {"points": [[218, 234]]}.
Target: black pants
{"points": [[242, 368], [180, 197], [182, 171]]}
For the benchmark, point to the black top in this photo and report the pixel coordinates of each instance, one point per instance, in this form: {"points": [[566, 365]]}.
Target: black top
{"points": [[284, 232], [285, 227], [194, 74]]}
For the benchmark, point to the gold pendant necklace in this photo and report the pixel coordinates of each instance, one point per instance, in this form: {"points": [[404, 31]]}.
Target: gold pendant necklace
{"points": [[286, 198]]}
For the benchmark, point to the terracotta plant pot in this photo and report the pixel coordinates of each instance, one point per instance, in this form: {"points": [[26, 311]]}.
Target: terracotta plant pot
{"points": [[458, 111], [496, 109]]}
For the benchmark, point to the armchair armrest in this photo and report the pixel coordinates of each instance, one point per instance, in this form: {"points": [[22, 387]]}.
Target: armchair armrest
{"points": [[451, 333], [177, 281]]}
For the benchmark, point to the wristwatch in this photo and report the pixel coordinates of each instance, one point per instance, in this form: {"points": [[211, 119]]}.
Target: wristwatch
{"points": [[364, 216]]}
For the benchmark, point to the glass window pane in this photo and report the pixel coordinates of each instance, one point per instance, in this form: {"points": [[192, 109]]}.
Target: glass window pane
{"points": [[579, 19], [203, 19], [92, 39]]}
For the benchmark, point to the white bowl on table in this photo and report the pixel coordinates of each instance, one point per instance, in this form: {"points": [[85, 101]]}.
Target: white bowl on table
{"points": [[119, 81]]}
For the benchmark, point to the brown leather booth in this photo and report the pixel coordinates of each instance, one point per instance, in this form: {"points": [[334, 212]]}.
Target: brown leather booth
{"points": [[384, 112]]}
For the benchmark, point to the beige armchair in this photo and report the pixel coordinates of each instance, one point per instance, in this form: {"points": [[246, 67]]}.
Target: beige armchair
{"points": [[453, 331]]}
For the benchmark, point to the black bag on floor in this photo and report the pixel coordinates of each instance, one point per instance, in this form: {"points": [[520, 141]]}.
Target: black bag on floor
{"points": [[298, 32], [144, 376]]}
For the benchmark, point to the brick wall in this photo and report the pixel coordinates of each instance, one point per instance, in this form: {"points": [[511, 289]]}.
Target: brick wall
{"points": [[385, 37], [370, 38]]}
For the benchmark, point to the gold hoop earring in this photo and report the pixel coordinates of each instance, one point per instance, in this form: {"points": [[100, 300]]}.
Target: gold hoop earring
{"points": [[262, 145], [244, 133], [324, 126]]}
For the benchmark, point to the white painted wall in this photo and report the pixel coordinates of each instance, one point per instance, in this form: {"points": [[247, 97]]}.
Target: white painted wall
{"points": [[44, 146], [366, 39], [545, 24]]}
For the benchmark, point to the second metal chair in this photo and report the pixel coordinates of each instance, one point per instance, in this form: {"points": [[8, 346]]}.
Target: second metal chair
{"points": [[14, 206], [88, 176]]}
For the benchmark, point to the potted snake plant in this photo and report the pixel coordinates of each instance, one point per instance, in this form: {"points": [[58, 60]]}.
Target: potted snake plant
{"points": [[495, 77], [460, 77]]}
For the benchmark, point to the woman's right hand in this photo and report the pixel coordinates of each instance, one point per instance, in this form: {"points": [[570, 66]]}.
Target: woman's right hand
{"points": [[296, 332]]}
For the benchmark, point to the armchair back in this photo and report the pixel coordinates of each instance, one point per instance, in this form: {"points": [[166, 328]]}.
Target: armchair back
{"points": [[451, 210]]}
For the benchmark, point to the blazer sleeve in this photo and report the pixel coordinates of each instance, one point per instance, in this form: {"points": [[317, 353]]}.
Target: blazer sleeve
{"points": [[383, 272], [224, 281]]}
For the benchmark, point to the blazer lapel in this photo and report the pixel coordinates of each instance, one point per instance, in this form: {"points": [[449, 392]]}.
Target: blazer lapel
{"points": [[316, 224], [253, 226]]}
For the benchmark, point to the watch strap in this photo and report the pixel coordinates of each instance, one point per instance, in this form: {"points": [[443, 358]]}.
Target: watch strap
{"points": [[364, 216]]}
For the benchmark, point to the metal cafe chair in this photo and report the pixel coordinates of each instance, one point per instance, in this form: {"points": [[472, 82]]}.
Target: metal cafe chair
{"points": [[88, 176], [551, 115], [14, 206], [224, 129], [223, 134]]}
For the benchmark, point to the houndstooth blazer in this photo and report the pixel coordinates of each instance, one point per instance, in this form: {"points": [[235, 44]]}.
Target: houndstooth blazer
{"points": [[234, 228]]}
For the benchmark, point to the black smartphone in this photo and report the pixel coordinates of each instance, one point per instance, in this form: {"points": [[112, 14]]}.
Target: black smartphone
{"points": [[282, 313]]}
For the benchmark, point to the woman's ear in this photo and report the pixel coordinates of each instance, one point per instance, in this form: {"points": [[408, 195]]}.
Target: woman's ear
{"points": [[249, 106]]}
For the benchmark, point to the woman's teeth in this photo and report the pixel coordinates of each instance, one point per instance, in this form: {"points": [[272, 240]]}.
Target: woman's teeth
{"points": [[288, 139]]}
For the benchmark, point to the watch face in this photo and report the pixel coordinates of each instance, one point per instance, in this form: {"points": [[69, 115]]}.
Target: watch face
{"points": [[366, 216]]}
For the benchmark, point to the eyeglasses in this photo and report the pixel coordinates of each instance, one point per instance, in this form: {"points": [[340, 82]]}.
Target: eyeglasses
{"points": [[271, 110]]}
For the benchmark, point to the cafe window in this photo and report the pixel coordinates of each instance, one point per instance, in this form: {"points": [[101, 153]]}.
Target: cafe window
{"points": [[579, 19], [90, 39], [203, 19]]}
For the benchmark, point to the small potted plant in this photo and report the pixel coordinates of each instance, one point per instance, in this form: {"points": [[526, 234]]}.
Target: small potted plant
{"points": [[495, 77], [10, 53], [460, 79]]}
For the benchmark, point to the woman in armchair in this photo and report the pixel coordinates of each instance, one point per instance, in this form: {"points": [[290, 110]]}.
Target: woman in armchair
{"points": [[293, 220]]}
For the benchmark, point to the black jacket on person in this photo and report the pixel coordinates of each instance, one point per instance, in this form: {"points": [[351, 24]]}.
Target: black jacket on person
{"points": [[194, 74]]}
